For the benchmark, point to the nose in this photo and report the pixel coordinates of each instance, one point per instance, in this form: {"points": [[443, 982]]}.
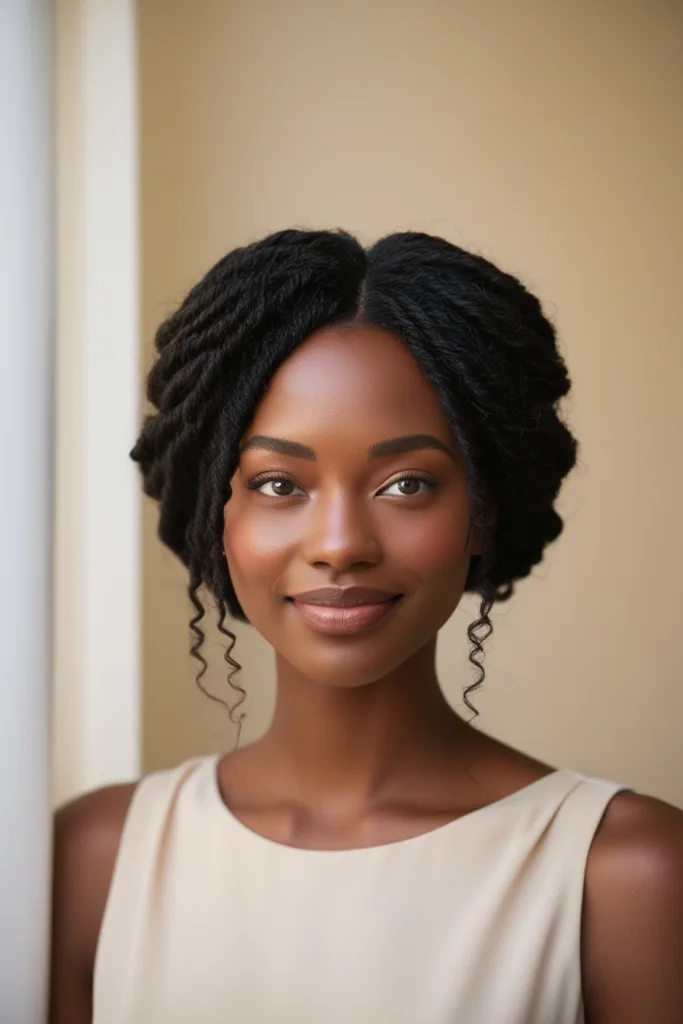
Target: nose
{"points": [[340, 534]]}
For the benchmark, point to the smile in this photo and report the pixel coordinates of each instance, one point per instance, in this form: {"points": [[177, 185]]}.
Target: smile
{"points": [[335, 619]]}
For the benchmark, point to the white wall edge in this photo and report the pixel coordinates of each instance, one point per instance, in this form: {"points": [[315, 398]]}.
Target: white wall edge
{"points": [[97, 694], [26, 420]]}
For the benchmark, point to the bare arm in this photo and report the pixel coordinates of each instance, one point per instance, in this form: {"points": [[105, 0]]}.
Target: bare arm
{"points": [[86, 840], [632, 942]]}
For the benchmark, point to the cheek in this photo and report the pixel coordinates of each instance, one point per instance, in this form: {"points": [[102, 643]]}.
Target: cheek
{"points": [[256, 549], [435, 547]]}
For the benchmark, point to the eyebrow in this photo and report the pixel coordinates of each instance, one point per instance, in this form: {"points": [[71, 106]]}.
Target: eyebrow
{"points": [[409, 443], [394, 446]]}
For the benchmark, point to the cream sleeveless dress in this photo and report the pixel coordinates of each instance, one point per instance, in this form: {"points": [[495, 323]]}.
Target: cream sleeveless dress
{"points": [[475, 922]]}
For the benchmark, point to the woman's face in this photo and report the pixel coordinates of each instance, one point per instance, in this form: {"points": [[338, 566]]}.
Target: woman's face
{"points": [[349, 477]]}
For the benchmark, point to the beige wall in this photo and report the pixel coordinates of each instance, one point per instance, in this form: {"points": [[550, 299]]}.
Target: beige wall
{"points": [[545, 135]]}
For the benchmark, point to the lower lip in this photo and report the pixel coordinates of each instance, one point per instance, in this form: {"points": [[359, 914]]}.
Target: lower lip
{"points": [[328, 619]]}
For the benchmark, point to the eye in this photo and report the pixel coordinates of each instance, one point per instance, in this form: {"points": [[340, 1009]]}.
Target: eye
{"points": [[409, 487], [280, 487]]}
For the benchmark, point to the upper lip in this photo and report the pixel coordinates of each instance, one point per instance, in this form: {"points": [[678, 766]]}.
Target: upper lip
{"points": [[344, 597]]}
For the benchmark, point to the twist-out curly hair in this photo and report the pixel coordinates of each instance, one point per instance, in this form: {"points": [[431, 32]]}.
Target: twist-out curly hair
{"points": [[479, 335]]}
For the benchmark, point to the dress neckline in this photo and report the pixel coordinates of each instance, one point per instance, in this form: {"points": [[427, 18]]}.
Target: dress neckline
{"points": [[421, 839]]}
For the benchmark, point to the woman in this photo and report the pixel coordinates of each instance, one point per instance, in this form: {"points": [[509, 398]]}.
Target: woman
{"points": [[345, 442]]}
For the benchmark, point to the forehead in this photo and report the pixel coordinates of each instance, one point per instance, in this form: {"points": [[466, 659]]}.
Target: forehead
{"points": [[356, 378]]}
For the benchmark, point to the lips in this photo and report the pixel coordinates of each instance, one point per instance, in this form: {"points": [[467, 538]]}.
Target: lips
{"points": [[345, 597], [339, 610]]}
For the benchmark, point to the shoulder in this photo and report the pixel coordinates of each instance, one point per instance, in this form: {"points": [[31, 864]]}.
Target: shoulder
{"points": [[96, 817], [87, 833], [632, 926]]}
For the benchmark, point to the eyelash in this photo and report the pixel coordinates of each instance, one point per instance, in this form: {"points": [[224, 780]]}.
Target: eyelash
{"points": [[259, 481]]}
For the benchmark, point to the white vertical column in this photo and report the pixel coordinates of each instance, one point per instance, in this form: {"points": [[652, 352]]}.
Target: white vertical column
{"points": [[98, 575], [26, 330]]}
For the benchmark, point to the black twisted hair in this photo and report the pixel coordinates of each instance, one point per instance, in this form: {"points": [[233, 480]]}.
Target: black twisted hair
{"points": [[479, 335]]}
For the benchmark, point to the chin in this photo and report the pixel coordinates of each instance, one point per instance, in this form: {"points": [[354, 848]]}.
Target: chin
{"points": [[349, 669]]}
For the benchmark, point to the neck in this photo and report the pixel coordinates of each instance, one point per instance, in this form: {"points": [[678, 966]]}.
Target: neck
{"points": [[354, 745]]}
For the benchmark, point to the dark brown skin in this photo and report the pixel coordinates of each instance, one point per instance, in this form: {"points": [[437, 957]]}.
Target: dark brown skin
{"points": [[363, 748]]}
